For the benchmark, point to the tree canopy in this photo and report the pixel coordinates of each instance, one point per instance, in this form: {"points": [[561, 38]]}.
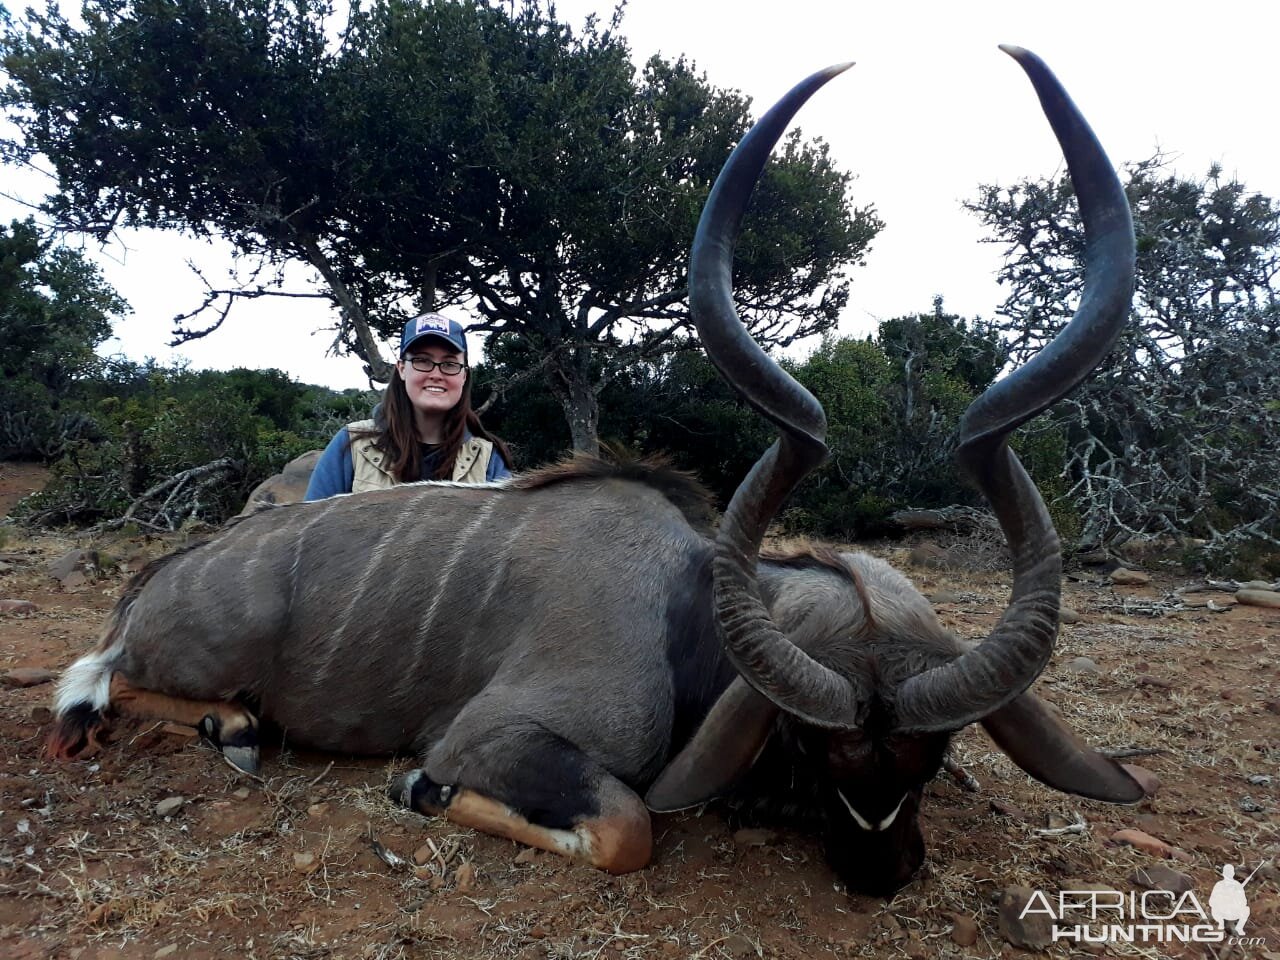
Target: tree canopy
{"points": [[1179, 433], [55, 309], [429, 154]]}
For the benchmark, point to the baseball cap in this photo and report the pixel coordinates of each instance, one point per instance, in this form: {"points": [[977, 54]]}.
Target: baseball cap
{"points": [[433, 325]]}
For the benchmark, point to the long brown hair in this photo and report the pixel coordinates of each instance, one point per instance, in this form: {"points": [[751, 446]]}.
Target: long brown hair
{"points": [[397, 433]]}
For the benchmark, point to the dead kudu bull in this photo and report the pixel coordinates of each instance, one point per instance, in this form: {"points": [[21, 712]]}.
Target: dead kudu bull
{"points": [[559, 646]]}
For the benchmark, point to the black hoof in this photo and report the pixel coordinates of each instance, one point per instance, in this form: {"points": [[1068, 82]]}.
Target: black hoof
{"points": [[240, 746], [416, 791]]}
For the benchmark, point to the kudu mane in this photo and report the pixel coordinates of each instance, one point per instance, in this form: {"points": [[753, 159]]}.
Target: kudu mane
{"points": [[680, 487]]}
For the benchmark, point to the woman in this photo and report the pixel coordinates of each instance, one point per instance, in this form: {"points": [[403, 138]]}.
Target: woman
{"points": [[424, 428]]}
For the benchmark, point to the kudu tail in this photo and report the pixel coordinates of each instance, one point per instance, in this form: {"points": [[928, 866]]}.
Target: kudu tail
{"points": [[84, 691], [82, 696]]}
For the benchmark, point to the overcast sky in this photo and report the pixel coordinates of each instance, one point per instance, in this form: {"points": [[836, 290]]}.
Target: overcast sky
{"points": [[931, 109]]}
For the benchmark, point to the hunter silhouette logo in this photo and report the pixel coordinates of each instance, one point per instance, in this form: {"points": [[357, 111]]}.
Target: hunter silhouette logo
{"points": [[1227, 903], [1147, 916]]}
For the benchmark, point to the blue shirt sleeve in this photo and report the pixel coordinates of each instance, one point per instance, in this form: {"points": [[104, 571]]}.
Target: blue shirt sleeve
{"points": [[334, 472], [497, 469]]}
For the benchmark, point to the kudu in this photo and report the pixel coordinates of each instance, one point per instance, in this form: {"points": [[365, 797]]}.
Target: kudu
{"points": [[562, 644]]}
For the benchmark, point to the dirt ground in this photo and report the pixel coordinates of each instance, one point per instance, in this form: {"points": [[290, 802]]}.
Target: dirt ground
{"points": [[95, 864]]}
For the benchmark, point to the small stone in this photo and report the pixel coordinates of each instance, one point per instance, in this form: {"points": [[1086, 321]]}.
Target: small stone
{"points": [[1068, 615], [527, 855], [1250, 805], [755, 837], [944, 596], [538, 932], [241, 794], [424, 871], [1149, 782], [28, 676], [1259, 598], [1159, 877], [1146, 680], [305, 862], [1007, 809], [317, 810], [1033, 931], [964, 930], [1257, 585], [41, 714], [1085, 666], [737, 945], [169, 806], [915, 948], [424, 854], [166, 951], [1145, 842], [18, 607], [464, 878], [1127, 577]]}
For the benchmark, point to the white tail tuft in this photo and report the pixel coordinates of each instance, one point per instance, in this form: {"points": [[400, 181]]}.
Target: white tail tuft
{"points": [[88, 680]]}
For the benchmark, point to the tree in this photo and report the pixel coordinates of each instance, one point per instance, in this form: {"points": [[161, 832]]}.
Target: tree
{"points": [[1179, 433], [55, 309], [442, 153]]}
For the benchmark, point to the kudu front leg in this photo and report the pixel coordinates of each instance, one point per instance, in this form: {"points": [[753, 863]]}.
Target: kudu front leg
{"points": [[596, 819]]}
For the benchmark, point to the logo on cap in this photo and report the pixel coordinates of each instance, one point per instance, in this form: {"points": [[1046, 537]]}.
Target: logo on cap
{"points": [[431, 324]]}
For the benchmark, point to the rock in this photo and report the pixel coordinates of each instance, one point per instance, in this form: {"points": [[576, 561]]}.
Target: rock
{"points": [[737, 945], [527, 855], [1007, 809], [241, 794], [318, 810], [964, 930], [1149, 782], [1068, 615], [287, 486], [755, 837], [28, 676], [1149, 681], [41, 714], [79, 567], [1257, 585], [1127, 577], [1084, 665], [305, 862], [1095, 558], [1145, 842], [944, 596], [927, 554], [166, 951], [464, 878], [19, 608], [1159, 877], [169, 806], [1259, 598], [1034, 931], [423, 855]]}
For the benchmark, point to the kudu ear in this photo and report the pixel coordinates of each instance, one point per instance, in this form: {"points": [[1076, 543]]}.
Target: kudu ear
{"points": [[1041, 744], [721, 751]]}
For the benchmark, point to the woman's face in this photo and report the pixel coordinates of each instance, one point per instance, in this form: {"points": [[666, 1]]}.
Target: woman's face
{"points": [[432, 394]]}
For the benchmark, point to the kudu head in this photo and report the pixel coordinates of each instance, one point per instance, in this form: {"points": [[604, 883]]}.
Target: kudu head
{"points": [[870, 705]]}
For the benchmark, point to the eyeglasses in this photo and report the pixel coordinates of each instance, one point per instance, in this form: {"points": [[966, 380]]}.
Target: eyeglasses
{"points": [[450, 368]]}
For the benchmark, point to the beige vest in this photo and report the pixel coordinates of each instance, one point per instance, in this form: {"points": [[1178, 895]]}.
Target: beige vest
{"points": [[471, 466]]}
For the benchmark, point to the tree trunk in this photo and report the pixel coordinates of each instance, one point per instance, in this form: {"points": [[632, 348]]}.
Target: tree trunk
{"points": [[570, 379]]}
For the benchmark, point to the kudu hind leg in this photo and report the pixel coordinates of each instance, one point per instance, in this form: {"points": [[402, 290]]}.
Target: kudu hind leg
{"points": [[230, 726], [557, 800]]}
